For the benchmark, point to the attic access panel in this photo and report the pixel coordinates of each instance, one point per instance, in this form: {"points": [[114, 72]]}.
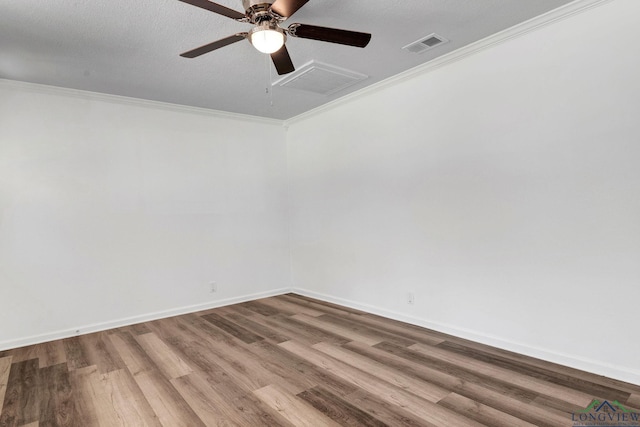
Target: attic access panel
{"points": [[320, 78]]}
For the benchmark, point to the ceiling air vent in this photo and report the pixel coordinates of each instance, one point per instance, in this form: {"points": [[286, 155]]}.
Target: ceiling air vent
{"points": [[425, 43], [320, 78]]}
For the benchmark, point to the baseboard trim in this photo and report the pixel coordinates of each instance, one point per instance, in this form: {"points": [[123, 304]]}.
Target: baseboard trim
{"points": [[599, 368], [103, 326], [621, 373]]}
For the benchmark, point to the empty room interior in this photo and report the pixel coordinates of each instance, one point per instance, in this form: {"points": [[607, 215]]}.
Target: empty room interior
{"points": [[417, 213]]}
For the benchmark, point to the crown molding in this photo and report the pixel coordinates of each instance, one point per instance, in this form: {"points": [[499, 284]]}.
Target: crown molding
{"points": [[551, 17], [136, 102]]}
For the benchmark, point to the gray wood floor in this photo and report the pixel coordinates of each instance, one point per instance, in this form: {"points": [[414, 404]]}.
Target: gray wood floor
{"points": [[288, 361]]}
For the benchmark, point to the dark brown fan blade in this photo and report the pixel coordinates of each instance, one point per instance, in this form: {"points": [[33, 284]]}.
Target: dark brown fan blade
{"points": [[286, 8], [217, 8], [213, 46], [282, 61], [332, 35]]}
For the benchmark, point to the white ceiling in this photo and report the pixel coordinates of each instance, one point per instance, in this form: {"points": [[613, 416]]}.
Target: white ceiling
{"points": [[131, 48]]}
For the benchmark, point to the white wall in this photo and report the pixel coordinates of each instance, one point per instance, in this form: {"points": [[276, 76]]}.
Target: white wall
{"points": [[503, 190], [112, 209]]}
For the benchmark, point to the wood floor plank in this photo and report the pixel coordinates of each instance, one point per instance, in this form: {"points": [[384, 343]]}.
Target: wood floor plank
{"points": [[634, 400], [196, 355], [418, 406], [325, 309], [481, 389], [57, 407], [76, 357], [22, 395], [98, 350], [303, 299], [548, 375], [360, 328], [128, 401], [258, 329], [232, 357], [225, 404], [244, 405], [254, 412], [199, 327], [92, 403], [558, 407], [232, 328], [23, 353], [236, 309], [264, 309], [318, 306], [459, 371], [559, 369], [206, 402], [303, 332], [5, 367], [169, 327], [140, 329], [165, 400], [131, 353], [170, 364], [347, 333], [298, 371], [192, 348], [413, 332], [481, 413], [424, 389], [339, 410], [389, 413], [284, 306], [292, 408], [424, 336], [167, 403], [564, 393], [50, 353]]}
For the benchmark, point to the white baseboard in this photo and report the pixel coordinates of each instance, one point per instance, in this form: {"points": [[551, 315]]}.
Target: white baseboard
{"points": [[103, 326], [621, 373]]}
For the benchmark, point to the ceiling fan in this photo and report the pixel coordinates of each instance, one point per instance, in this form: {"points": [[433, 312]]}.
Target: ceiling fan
{"points": [[267, 36]]}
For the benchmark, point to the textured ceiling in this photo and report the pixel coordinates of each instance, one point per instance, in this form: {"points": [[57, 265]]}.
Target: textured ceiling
{"points": [[132, 48]]}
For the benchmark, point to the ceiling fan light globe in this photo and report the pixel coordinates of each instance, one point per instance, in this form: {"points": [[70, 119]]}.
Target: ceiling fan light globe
{"points": [[267, 40]]}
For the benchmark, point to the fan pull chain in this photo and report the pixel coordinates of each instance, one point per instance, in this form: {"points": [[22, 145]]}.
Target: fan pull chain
{"points": [[266, 74], [267, 90], [270, 84]]}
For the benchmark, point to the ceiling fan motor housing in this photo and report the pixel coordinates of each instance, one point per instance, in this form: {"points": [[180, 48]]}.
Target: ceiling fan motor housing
{"points": [[248, 4], [259, 10]]}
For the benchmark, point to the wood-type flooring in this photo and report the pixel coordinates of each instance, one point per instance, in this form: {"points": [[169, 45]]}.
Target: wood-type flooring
{"points": [[289, 361]]}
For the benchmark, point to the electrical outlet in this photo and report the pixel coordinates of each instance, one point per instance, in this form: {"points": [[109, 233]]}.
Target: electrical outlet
{"points": [[213, 287], [410, 298]]}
